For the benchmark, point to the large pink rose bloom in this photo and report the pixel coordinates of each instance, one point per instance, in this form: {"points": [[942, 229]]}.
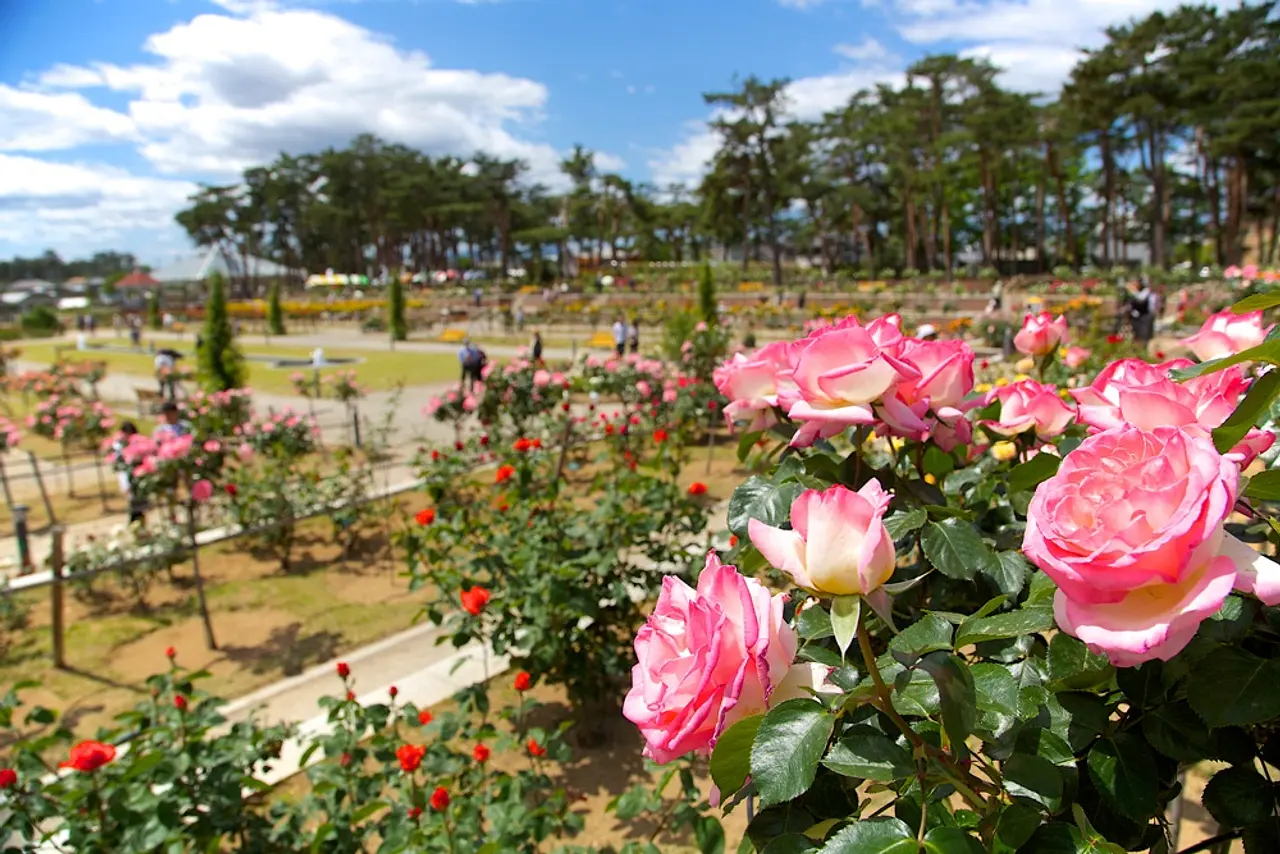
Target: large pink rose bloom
{"points": [[751, 384], [1029, 405], [839, 375], [1227, 333], [1132, 391], [837, 543], [1041, 334], [946, 378], [708, 658], [1131, 530]]}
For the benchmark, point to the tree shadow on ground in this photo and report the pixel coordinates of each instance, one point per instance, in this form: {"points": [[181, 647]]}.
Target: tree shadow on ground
{"points": [[286, 650]]}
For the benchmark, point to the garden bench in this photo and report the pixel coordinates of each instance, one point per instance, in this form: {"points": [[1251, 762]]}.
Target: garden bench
{"points": [[601, 340], [453, 336], [149, 401]]}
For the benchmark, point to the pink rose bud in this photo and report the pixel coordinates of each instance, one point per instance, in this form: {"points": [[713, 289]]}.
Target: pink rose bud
{"points": [[1227, 333], [201, 491], [838, 543], [1029, 405], [707, 658], [1041, 334], [1076, 356]]}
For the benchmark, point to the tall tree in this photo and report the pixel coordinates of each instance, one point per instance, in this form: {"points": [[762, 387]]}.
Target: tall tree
{"points": [[396, 323], [275, 311], [221, 364]]}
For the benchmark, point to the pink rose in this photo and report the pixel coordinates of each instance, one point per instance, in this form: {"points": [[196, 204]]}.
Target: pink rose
{"points": [[1131, 530], [644, 389], [838, 543], [838, 377], [201, 491], [1041, 334], [1076, 356], [541, 378], [1227, 333], [752, 382], [946, 378], [1029, 405], [1132, 391], [707, 658]]}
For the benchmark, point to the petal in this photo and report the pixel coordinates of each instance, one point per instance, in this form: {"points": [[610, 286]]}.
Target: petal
{"points": [[783, 549], [1255, 573]]}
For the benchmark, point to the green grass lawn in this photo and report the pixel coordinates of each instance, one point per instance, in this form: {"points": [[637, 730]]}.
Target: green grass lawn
{"points": [[377, 371]]}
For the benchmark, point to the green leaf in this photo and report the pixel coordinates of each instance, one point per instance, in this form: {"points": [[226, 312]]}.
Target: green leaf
{"points": [[1257, 302], [1062, 838], [367, 810], [846, 611], [731, 758], [1072, 667], [814, 623], [759, 499], [1033, 472], [1123, 770], [931, 632], [1234, 687], [1248, 412], [791, 843], [791, 740], [1238, 797], [873, 836], [996, 691], [1016, 825], [938, 462], [1177, 732], [871, 755], [955, 688], [1034, 778], [1265, 485], [1008, 572], [1013, 624], [905, 521], [747, 442], [1267, 351], [955, 548], [708, 832]]}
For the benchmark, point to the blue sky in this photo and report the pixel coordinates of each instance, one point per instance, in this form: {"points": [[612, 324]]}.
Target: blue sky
{"points": [[112, 110]]}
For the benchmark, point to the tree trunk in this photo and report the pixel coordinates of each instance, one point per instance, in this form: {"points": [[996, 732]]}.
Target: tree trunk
{"points": [[1108, 196], [909, 215], [988, 239]]}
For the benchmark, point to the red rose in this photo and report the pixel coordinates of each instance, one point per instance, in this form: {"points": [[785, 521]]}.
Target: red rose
{"points": [[697, 488], [435, 456], [659, 436], [480, 753], [1114, 339], [343, 670], [1159, 354], [535, 750], [425, 717], [344, 760], [537, 443], [523, 681], [984, 364], [425, 516], [521, 445], [733, 540], [457, 446], [8, 778], [414, 812], [410, 756], [474, 600], [504, 474], [180, 702], [351, 696], [484, 440], [89, 756], [440, 799], [170, 653], [393, 691], [608, 429], [713, 405], [231, 490]]}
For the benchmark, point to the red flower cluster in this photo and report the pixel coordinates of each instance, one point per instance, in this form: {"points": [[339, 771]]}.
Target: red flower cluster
{"points": [[523, 445], [425, 717], [697, 488], [410, 756], [8, 778], [343, 670], [504, 474], [89, 756], [523, 681], [481, 753], [535, 750], [425, 516], [474, 600], [1114, 339], [659, 436], [440, 799]]}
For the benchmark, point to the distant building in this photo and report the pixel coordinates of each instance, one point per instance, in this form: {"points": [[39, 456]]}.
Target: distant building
{"points": [[198, 267]]}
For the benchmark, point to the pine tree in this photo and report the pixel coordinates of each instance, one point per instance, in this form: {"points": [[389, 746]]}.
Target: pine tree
{"points": [[395, 311], [153, 310], [275, 313], [221, 363], [707, 295]]}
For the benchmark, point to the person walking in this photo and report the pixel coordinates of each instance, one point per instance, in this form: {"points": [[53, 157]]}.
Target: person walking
{"points": [[124, 472], [620, 337], [165, 365], [472, 359], [535, 349], [633, 335], [1142, 313], [172, 426]]}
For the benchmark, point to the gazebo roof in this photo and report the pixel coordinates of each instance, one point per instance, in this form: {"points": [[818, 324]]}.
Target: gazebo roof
{"points": [[137, 279]]}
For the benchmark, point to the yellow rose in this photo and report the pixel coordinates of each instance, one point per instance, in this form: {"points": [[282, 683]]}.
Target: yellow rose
{"points": [[930, 479], [1004, 451], [1002, 381], [1020, 377], [1025, 365], [982, 388]]}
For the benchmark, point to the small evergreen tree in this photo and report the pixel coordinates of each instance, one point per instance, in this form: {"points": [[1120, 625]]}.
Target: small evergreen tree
{"points": [[395, 311], [707, 295], [221, 363], [153, 310], [275, 313]]}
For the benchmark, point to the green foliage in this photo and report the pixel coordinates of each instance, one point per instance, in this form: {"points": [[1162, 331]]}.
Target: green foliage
{"points": [[707, 295], [221, 364], [275, 311], [40, 321], [154, 319], [396, 321]]}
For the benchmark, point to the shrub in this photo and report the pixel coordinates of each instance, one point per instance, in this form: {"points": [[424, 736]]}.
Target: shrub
{"points": [[40, 321]]}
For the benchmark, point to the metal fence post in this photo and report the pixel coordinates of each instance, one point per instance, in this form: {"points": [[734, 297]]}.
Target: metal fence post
{"points": [[44, 495], [355, 426], [22, 535], [209, 640], [55, 599]]}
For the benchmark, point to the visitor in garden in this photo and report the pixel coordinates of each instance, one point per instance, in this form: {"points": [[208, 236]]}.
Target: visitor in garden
{"points": [[997, 297], [620, 337], [164, 373], [171, 424], [473, 360], [135, 333], [633, 335], [137, 505], [1142, 314], [535, 349]]}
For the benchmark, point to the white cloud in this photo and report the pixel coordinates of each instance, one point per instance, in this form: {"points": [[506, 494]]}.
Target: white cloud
{"points": [[227, 91], [606, 162], [41, 121], [686, 161], [77, 208], [868, 50]]}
